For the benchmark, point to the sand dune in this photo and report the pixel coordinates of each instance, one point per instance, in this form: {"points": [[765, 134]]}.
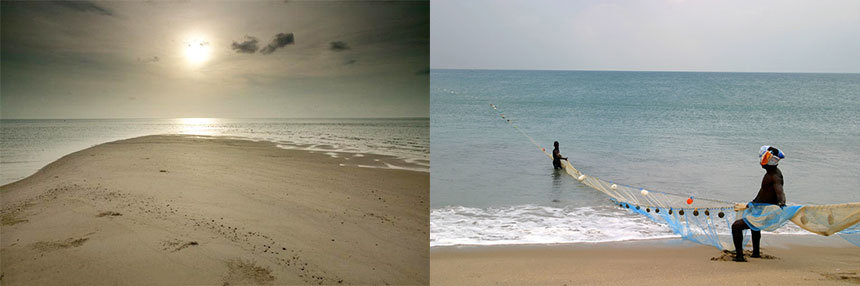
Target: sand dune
{"points": [[176, 209]]}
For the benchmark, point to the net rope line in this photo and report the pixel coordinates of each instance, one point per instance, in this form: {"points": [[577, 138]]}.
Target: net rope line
{"points": [[708, 229], [576, 174]]}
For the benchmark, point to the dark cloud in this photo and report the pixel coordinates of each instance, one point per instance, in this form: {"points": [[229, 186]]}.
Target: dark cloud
{"points": [[202, 44], [338, 46], [84, 7], [278, 42], [249, 46]]}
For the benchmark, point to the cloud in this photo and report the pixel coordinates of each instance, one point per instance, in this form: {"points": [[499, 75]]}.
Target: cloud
{"points": [[280, 40], [249, 46], [338, 46], [84, 7]]}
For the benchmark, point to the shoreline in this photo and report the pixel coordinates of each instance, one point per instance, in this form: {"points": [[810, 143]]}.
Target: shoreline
{"points": [[557, 224], [768, 240], [776, 239], [410, 164], [191, 209], [653, 262]]}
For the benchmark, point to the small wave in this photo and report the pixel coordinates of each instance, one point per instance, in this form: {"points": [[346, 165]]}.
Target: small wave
{"points": [[395, 167], [533, 224], [419, 168]]}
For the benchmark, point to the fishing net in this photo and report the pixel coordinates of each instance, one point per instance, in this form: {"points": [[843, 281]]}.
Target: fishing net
{"points": [[708, 221], [701, 220], [828, 219], [768, 217], [851, 234]]}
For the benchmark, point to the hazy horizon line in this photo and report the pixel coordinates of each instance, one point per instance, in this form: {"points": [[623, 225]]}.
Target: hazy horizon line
{"points": [[619, 70], [140, 118]]}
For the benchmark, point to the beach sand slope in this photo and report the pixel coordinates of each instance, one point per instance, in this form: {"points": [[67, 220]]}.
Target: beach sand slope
{"points": [[642, 263], [177, 209]]}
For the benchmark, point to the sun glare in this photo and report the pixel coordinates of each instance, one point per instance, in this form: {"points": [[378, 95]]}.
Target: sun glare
{"points": [[198, 126], [197, 50], [196, 121]]}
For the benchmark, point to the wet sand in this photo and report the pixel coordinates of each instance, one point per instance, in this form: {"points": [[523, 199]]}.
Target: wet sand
{"points": [[174, 209], [667, 262]]}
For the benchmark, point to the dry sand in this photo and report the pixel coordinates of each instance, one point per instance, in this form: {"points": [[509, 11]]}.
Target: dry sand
{"points": [[169, 210], [641, 263]]}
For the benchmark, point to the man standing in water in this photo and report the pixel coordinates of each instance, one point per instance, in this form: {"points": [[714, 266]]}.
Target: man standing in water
{"points": [[556, 156], [770, 193]]}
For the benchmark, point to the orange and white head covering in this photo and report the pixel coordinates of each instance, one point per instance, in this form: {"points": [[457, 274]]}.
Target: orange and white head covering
{"points": [[769, 155]]}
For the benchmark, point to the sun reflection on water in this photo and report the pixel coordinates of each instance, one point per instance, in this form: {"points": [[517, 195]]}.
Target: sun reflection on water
{"points": [[198, 126]]}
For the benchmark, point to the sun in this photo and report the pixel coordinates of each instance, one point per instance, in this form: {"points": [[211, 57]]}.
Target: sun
{"points": [[197, 50]]}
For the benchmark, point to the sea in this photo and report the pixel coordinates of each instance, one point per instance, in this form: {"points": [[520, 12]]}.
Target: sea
{"points": [[695, 133], [28, 145]]}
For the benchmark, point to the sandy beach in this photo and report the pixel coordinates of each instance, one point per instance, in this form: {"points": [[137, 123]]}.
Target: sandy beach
{"points": [[173, 209], [658, 262]]}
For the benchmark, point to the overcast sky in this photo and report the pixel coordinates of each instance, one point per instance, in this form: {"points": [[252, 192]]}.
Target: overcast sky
{"points": [[656, 35], [222, 59]]}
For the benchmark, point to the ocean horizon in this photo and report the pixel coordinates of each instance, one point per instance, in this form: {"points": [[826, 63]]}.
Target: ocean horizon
{"points": [[644, 71]]}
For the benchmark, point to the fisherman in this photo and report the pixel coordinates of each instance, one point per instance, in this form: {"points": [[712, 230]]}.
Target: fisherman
{"points": [[556, 156], [770, 193]]}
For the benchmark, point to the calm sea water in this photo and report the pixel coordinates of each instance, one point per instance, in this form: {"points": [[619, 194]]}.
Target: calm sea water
{"points": [[28, 145], [695, 133]]}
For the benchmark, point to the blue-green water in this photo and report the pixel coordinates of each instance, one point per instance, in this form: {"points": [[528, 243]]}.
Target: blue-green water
{"points": [[684, 132]]}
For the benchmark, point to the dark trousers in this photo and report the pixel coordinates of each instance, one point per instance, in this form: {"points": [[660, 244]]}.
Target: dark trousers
{"points": [[738, 236]]}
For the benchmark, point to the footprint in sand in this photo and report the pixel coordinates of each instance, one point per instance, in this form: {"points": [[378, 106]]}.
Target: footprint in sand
{"points": [[730, 256], [12, 215], [240, 272], [55, 245], [11, 219], [851, 277], [177, 245], [108, 213]]}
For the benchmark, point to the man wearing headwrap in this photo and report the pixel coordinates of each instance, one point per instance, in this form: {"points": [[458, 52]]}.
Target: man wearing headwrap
{"points": [[770, 193]]}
